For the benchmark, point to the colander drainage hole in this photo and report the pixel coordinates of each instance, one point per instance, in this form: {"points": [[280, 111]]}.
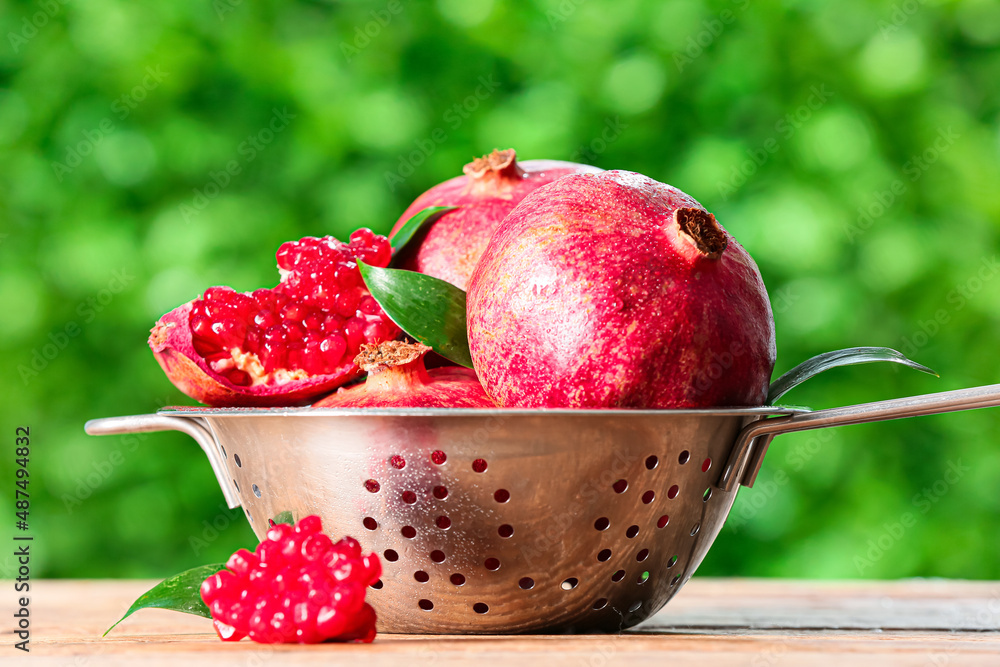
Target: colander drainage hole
{"points": [[409, 497], [236, 485], [256, 490], [663, 521], [632, 531], [671, 562], [458, 579], [618, 576], [643, 578], [673, 491], [602, 523], [223, 451], [620, 486], [492, 564], [440, 492], [707, 495], [634, 606], [706, 464], [501, 495], [648, 497], [397, 461], [437, 556], [377, 585], [479, 465], [391, 555], [603, 555], [673, 582], [642, 555], [694, 531], [372, 486], [651, 462], [421, 576], [601, 604], [527, 583], [443, 522], [506, 530], [480, 607], [370, 523], [684, 457], [570, 584], [236, 457], [426, 605], [409, 532], [438, 457]]}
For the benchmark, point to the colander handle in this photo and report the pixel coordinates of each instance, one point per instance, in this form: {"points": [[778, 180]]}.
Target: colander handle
{"points": [[152, 423], [752, 442]]}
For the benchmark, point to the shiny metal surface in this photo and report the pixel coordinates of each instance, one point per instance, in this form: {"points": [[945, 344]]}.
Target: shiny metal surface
{"points": [[750, 447], [492, 521], [531, 520]]}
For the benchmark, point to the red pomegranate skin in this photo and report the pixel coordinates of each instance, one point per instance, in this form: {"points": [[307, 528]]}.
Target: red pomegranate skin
{"points": [[590, 295], [490, 187], [397, 378]]}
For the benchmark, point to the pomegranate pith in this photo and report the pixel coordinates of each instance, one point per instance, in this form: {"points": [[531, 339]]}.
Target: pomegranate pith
{"points": [[283, 345], [491, 186], [613, 290], [397, 378]]}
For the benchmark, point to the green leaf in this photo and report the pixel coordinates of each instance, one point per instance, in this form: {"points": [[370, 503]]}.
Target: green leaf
{"points": [[827, 360], [413, 225], [181, 592], [427, 308], [284, 517]]}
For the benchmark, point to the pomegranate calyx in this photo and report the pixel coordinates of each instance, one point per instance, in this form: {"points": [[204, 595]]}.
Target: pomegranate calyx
{"points": [[701, 228], [376, 358], [497, 171]]}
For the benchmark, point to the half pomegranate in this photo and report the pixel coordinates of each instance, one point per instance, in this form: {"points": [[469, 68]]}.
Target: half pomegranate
{"points": [[279, 346]]}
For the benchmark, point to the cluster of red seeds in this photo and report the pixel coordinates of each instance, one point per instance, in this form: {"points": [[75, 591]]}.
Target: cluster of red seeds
{"points": [[314, 321], [297, 587]]}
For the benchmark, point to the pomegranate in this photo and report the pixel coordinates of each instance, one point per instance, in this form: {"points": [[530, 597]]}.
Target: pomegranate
{"points": [[280, 346], [613, 290], [397, 379], [491, 187]]}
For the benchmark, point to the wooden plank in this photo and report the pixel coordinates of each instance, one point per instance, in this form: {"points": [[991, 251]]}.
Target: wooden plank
{"points": [[712, 621]]}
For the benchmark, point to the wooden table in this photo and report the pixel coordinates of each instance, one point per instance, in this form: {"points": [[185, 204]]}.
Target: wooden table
{"points": [[755, 622]]}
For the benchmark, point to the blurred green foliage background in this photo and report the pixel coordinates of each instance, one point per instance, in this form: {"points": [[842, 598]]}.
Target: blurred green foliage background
{"points": [[853, 147]]}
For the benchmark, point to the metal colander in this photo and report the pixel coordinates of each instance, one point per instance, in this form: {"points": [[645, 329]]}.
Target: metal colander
{"points": [[491, 521]]}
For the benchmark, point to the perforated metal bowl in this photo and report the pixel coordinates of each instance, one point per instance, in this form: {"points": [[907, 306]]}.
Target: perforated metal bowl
{"points": [[508, 520]]}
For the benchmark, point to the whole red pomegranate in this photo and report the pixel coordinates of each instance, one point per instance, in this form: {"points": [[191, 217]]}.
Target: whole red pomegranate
{"points": [[397, 379], [280, 346], [491, 187], [613, 290]]}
